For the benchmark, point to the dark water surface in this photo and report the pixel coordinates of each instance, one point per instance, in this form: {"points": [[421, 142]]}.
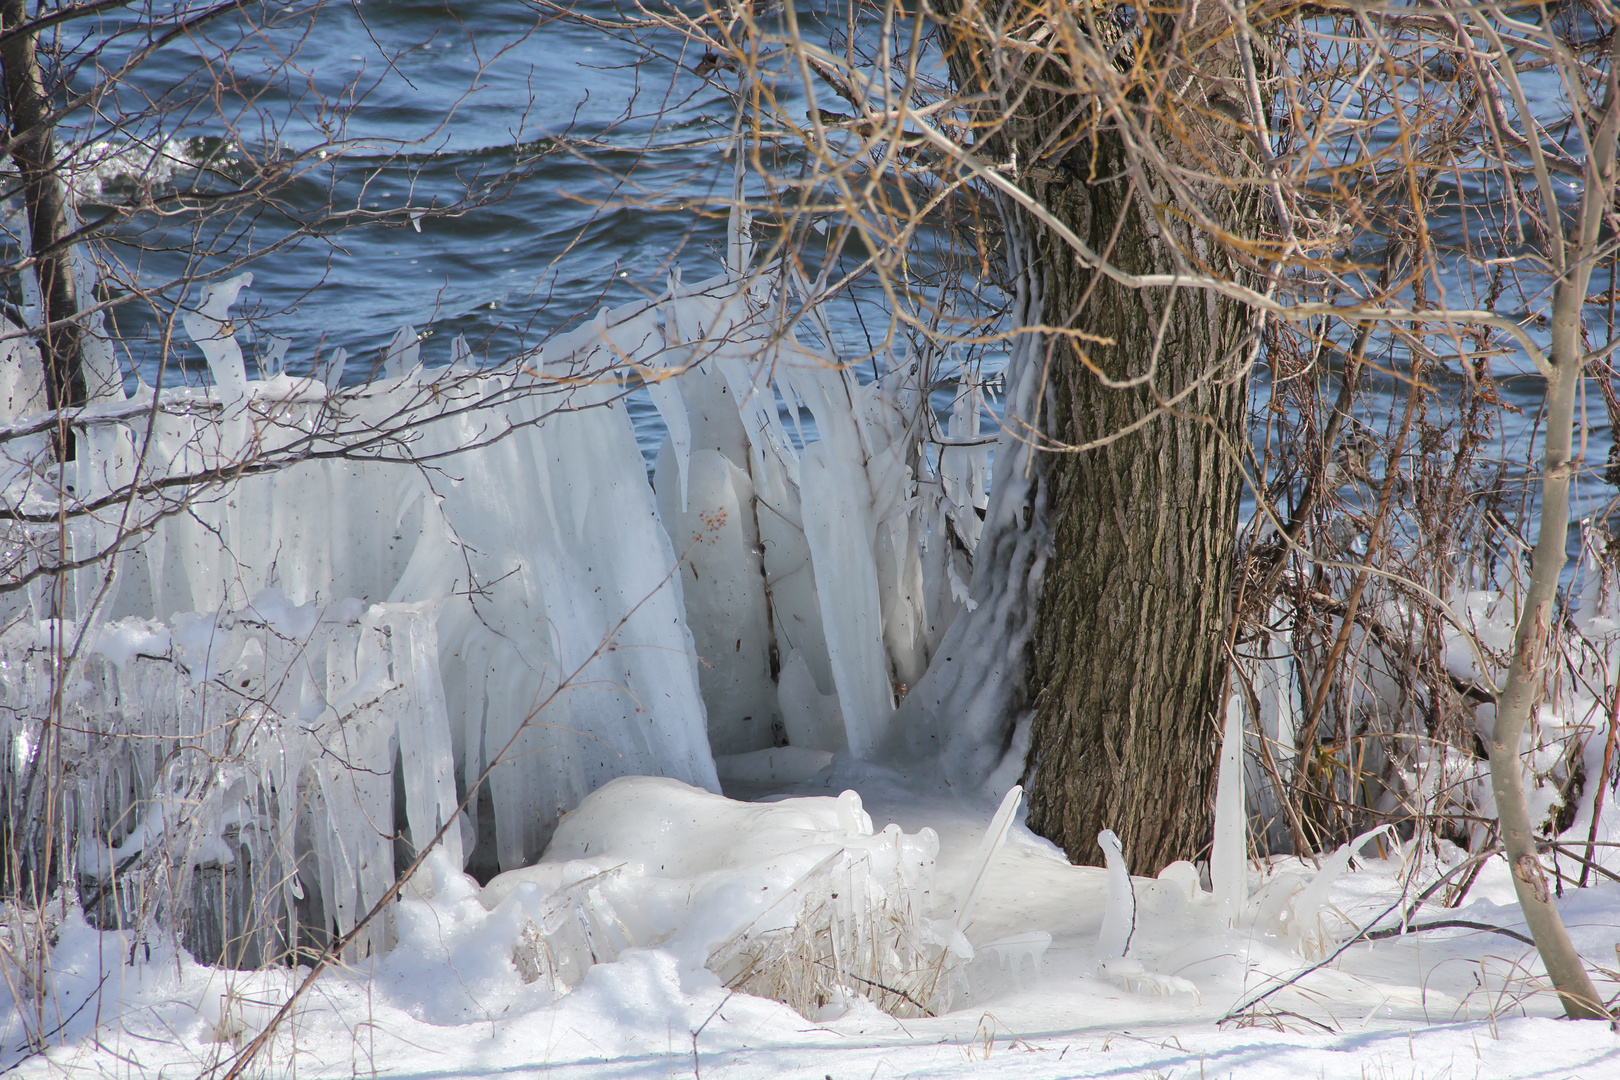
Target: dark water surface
{"points": [[447, 96], [435, 99]]}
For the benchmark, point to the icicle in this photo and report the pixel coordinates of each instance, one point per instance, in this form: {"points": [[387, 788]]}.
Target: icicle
{"points": [[723, 584], [403, 354], [1229, 857], [1119, 918], [978, 872], [461, 355], [273, 358], [331, 370], [1271, 672], [1019, 949], [846, 574], [666, 397], [210, 328], [426, 758]]}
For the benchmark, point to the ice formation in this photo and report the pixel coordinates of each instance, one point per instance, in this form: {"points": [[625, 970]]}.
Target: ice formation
{"points": [[1428, 780], [824, 563], [1119, 919], [1229, 854], [968, 712], [333, 609], [994, 837], [525, 593], [1267, 667], [799, 900], [1017, 952], [543, 613]]}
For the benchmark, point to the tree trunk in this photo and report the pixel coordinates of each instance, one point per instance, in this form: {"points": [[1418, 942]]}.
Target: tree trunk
{"points": [[1128, 657], [1529, 668], [32, 146], [1129, 653]]}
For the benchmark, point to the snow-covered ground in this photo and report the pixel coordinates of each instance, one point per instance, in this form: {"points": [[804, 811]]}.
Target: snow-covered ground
{"points": [[452, 1000]]}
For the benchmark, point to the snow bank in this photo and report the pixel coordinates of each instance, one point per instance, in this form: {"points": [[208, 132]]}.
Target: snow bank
{"points": [[652, 875], [797, 900]]}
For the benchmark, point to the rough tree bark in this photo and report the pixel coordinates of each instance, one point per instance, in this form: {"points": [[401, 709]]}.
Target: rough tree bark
{"points": [[1128, 658], [31, 145]]}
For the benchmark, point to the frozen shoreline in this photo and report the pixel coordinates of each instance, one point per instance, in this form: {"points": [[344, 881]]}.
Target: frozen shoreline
{"points": [[448, 1001]]}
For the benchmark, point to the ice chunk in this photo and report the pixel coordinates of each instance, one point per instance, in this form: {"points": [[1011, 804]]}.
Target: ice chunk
{"points": [[297, 622], [1119, 918], [330, 370], [852, 816], [403, 354], [215, 335], [1183, 876], [121, 641], [210, 327], [1229, 857], [1134, 975], [1015, 952], [1305, 927], [274, 357]]}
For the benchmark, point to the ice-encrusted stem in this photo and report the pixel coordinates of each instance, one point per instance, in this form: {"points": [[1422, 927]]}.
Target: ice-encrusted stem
{"points": [[1527, 671], [1229, 854]]}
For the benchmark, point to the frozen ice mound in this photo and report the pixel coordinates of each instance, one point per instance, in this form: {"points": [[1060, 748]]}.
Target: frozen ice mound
{"points": [[798, 900]]}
